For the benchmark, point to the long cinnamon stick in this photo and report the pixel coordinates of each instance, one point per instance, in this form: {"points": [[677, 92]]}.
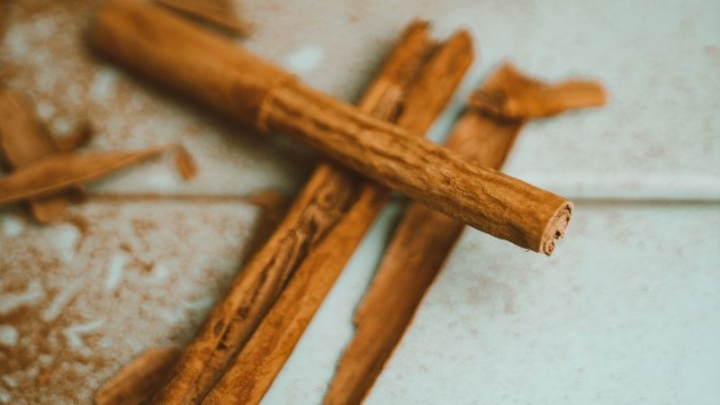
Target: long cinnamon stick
{"points": [[424, 238], [235, 81], [24, 141], [266, 352], [318, 210]]}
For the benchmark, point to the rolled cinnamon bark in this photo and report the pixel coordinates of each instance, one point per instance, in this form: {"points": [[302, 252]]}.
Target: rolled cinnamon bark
{"points": [[262, 95]]}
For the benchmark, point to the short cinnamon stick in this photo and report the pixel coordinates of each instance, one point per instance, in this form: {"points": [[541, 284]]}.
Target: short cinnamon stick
{"points": [[23, 141], [62, 170], [318, 210], [266, 352], [424, 238], [237, 82]]}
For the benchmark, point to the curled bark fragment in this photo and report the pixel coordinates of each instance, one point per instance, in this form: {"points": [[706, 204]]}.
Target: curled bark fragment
{"points": [[512, 95]]}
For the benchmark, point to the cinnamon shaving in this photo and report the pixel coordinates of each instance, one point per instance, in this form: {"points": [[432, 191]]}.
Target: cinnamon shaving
{"points": [[81, 136], [63, 170], [185, 163], [510, 94]]}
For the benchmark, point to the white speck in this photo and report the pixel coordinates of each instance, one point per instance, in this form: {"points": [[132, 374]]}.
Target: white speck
{"points": [[45, 359], [10, 381], [60, 302], [117, 266], [32, 372], [5, 397], [66, 241], [61, 126], [8, 336], [103, 86], [43, 28], [45, 110], [202, 304], [11, 225], [305, 59], [11, 302], [17, 43], [160, 272], [74, 333]]}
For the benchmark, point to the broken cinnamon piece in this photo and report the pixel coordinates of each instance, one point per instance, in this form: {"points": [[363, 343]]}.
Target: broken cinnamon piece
{"points": [[24, 141], [185, 163], [219, 13], [424, 238], [257, 364], [521, 97], [79, 137], [139, 378], [62, 170], [318, 213]]}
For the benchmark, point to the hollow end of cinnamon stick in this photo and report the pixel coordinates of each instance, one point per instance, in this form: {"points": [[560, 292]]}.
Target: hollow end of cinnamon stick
{"points": [[556, 228]]}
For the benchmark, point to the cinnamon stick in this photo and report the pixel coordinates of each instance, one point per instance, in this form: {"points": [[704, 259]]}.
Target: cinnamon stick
{"points": [[254, 369], [320, 207], [136, 380], [23, 141], [218, 13], [260, 94], [424, 238], [62, 170]]}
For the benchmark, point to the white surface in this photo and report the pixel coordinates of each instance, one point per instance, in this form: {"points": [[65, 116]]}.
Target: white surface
{"points": [[627, 311]]}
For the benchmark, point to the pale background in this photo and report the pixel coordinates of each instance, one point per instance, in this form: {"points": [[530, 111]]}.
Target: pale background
{"points": [[626, 311]]}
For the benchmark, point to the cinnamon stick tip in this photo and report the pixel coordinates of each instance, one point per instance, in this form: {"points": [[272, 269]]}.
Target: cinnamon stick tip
{"points": [[463, 37], [417, 24], [556, 227]]}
